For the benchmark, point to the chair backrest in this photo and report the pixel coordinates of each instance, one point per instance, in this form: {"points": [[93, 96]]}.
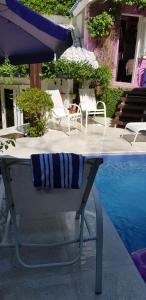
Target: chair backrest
{"points": [[58, 110], [87, 99], [28, 200], [56, 98]]}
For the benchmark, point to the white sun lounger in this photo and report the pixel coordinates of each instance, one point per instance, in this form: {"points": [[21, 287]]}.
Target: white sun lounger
{"points": [[136, 127], [24, 199], [90, 106], [60, 112]]}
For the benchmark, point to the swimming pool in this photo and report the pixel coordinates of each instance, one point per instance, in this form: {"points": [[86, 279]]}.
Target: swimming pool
{"points": [[121, 182]]}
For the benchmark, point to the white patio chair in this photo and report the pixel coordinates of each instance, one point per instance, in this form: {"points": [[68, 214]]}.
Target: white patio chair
{"points": [[24, 199], [60, 112], [135, 127], [90, 106]]}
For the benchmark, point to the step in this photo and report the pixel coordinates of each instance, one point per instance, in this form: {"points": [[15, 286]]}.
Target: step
{"points": [[128, 106], [136, 99], [130, 119], [129, 114], [137, 91]]}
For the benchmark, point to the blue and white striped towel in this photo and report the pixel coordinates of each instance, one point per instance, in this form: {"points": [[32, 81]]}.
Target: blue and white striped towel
{"points": [[58, 170]]}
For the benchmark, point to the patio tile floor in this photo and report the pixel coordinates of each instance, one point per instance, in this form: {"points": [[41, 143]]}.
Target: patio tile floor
{"points": [[96, 140]]}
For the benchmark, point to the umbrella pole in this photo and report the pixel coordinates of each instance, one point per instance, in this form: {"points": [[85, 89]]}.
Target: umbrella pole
{"points": [[35, 71]]}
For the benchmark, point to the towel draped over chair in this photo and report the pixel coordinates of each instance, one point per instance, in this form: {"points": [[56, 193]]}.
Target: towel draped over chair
{"points": [[58, 170]]}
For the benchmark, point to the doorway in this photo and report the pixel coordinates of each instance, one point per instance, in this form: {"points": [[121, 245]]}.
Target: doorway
{"points": [[127, 47], [8, 94]]}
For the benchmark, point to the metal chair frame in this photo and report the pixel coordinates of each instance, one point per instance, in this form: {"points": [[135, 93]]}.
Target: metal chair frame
{"points": [[6, 164]]}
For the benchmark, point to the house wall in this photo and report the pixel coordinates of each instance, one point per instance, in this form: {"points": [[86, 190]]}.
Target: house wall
{"points": [[107, 51], [140, 67], [20, 84]]}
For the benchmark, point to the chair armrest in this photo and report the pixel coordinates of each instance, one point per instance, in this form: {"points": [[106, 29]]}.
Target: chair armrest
{"points": [[78, 107], [101, 102]]}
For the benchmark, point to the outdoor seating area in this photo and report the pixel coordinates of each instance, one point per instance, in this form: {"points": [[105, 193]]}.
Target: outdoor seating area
{"points": [[88, 106]]}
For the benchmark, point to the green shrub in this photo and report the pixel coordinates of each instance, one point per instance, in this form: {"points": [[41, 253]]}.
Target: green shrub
{"points": [[103, 75], [35, 103], [79, 71], [100, 25], [111, 96], [38, 128]]}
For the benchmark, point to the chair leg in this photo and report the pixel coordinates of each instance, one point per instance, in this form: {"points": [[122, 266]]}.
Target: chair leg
{"points": [[81, 231], [99, 245], [135, 137], [86, 119], [68, 120], [124, 131], [81, 122], [105, 123]]}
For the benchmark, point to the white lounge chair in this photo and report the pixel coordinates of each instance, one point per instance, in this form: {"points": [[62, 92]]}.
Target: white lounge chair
{"points": [[26, 200], [60, 112], [90, 106], [136, 127]]}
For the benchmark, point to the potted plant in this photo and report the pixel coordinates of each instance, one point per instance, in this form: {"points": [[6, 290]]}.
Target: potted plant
{"points": [[100, 26], [35, 103]]}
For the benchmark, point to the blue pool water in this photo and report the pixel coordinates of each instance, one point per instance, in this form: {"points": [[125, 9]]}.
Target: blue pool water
{"points": [[121, 183]]}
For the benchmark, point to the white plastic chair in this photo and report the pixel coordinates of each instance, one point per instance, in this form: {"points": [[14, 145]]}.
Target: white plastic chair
{"points": [[60, 112], [25, 200], [89, 105]]}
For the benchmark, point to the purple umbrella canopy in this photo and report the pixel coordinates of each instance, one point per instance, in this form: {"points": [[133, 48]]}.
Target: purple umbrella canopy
{"points": [[26, 37]]}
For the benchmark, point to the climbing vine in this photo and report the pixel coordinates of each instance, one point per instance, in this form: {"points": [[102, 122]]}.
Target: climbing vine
{"points": [[100, 25], [79, 71], [138, 3], [8, 71], [49, 7]]}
